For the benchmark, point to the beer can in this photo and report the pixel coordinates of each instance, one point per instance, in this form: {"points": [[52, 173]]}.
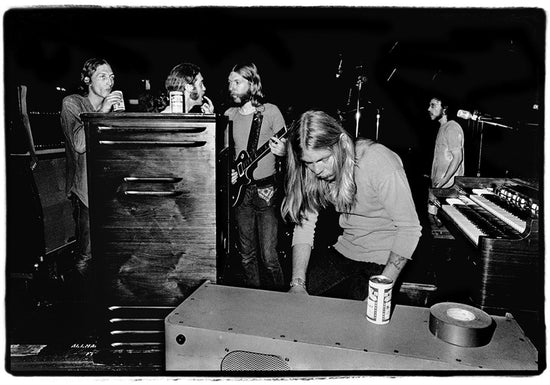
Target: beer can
{"points": [[379, 299], [118, 107], [176, 102]]}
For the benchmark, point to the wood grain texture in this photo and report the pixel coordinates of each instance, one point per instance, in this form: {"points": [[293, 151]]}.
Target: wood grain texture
{"points": [[152, 205], [504, 273]]}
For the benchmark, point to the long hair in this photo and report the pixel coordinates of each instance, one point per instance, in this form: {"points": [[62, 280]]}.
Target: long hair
{"points": [[249, 71], [88, 69], [180, 75], [304, 192]]}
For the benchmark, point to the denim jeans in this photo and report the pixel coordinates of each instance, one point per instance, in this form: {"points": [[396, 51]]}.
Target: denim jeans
{"points": [[83, 253], [257, 225], [331, 269]]}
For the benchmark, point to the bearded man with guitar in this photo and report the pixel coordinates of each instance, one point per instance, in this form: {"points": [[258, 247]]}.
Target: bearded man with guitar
{"points": [[257, 131]]}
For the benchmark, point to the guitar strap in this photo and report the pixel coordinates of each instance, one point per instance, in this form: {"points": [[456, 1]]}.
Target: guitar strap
{"points": [[254, 133]]}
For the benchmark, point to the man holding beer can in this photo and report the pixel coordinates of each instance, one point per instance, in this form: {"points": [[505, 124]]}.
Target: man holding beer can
{"points": [[96, 95], [367, 185]]}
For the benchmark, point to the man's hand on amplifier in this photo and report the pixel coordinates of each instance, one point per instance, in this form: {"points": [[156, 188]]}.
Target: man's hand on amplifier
{"points": [[298, 286], [298, 290]]}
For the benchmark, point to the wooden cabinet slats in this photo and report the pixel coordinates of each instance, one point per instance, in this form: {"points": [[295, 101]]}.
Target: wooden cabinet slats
{"points": [[152, 183]]}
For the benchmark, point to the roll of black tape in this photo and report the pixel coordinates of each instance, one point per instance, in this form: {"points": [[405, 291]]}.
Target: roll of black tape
{"points": [[461, 324]]}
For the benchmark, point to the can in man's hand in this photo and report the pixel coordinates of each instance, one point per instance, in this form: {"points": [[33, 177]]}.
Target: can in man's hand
{"points": [[119, 107]]}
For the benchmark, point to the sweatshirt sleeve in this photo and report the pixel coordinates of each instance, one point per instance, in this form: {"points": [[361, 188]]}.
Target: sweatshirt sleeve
{"points": [[396, 197], [72, 125], [305, 232]]}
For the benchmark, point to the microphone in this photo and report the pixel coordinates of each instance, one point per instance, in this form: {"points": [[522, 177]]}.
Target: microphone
{"points": [[339, 69], [468, 115]]}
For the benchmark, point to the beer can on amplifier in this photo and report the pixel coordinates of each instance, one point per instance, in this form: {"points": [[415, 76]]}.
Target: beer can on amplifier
{"points": [[379, 299], [176, 102]]}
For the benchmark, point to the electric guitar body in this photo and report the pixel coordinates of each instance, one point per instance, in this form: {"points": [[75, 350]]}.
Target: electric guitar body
{"points": [[245, 165]]}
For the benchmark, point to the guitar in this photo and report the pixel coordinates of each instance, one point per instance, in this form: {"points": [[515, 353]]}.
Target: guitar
{"points": [[243, 166]]}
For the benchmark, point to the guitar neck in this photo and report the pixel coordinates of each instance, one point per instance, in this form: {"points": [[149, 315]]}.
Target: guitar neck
{"points": [[263, 150]]}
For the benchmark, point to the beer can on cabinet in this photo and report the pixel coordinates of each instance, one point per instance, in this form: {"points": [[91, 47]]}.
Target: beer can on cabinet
{"points": [[379, 299], [176, 102], [118, 107]]}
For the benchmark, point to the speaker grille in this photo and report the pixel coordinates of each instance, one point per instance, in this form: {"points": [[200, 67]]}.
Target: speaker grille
{"points": [[244, 360]]}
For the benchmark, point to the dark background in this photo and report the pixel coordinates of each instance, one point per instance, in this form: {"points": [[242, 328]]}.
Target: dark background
{"points": [[489, 60]]}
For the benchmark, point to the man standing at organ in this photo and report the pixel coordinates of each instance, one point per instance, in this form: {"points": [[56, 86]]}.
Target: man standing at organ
{"points": [[448, 160]]}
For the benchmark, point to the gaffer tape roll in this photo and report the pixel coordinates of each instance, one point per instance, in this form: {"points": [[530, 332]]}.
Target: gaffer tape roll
{"points": [[461, 324]]}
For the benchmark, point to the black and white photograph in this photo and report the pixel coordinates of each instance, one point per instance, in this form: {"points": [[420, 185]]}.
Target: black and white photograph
{"points": [[274, 191]]}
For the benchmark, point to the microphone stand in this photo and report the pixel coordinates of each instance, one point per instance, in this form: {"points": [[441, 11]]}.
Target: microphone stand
{"points": [[480, 147], [360, 80], [378, 110], [496, 124], [482, 122]]}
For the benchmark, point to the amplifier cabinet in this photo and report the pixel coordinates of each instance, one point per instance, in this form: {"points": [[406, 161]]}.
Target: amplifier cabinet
{"points": [[49, 175], [222, 328], [38, 209], [152, 192]]}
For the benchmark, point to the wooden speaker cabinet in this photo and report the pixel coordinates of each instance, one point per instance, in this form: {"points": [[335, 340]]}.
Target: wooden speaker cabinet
{"points": [[152, 194]]}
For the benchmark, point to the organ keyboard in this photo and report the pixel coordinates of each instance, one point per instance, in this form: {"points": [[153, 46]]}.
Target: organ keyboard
{"points": [[477, 218], [498, 219], [472, 232], [517, 222]]}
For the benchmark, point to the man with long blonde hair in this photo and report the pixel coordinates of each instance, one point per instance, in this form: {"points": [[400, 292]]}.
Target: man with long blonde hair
{"points": [[366, 183]]}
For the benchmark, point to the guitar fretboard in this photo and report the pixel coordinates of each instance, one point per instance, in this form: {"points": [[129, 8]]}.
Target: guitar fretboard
{"points": [[259, 153]]}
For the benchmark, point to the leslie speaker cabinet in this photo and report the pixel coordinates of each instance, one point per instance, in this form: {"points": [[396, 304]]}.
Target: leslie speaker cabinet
{"points": [[152, 189], [223, 328]]}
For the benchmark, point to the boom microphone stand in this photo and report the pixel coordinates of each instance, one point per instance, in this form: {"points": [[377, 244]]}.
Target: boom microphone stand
{"points": [[481, 123]]}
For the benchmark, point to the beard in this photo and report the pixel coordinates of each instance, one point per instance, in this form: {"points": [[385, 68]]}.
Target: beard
{"points": [[241, 99], [195, 96], [436, 117]]}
